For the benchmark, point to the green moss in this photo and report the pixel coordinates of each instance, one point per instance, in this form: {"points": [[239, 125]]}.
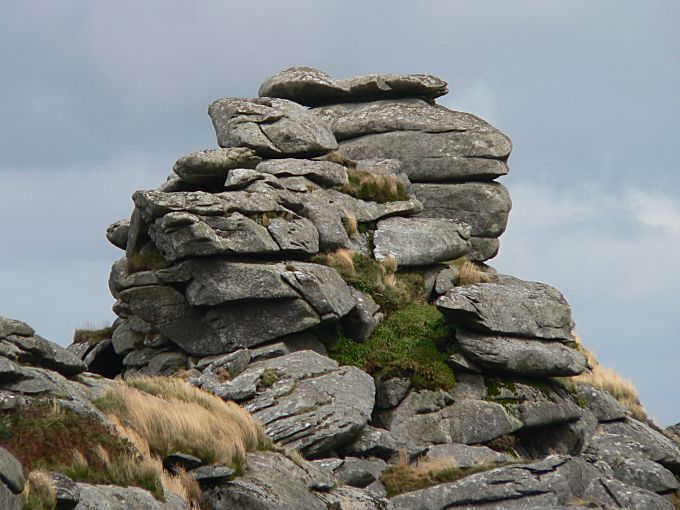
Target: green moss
{"points": [[268, 378], [494, 387], [411, 343]]}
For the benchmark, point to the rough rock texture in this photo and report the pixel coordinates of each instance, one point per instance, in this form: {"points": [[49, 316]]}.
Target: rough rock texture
{"points": [[110, 497], [211, 167], [271, 127]]}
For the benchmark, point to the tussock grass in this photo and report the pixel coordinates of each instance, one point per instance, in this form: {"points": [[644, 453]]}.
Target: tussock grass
{"points": [[620, 388], [471, 273], [411, 342], [405, 477], [91, 334], [170, 415], [350, 223], [389, 289], [374, 187], [336, 157], [39, 492]]}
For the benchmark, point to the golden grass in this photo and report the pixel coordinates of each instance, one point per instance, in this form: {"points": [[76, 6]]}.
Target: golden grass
{"points": [[620, 388], [471, 273], [170, 415], [406, 477], [350, 223], [336, 157], [340, 259], [374, 187], [39, 492]]}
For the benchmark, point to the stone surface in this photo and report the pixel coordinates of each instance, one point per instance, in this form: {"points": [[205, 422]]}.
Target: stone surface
{"points": [[485, 206], [608, 491], [37, 351], [601, 404], [212, 475], [10, 472], [464, 456], [390, 391], [529, 357], [271, 127], [381, 443], [67, 491], [646, 474], [323, 173], [362, 320], [292, 343], [311, 404], [554, 481], [446, 279], [209, 168], [514, 307], [311, 87], [110, 497], [420, 241], [117, 233], [359, 472]]}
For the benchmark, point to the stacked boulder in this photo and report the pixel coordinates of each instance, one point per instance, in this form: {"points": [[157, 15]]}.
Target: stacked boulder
{"points": [[223, 281], [451, 157]]}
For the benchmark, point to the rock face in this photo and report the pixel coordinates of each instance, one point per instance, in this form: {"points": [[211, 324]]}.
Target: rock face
{"points": [[330, 206]]}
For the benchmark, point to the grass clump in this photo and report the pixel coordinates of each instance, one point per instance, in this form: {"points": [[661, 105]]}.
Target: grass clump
{"points": [[91, 335], [170, 415], [617, 386], [411, 342], [148, 258], [336, 157], [374, 187], [405, 477], [389, 289], [39, 492], [471, 273]]}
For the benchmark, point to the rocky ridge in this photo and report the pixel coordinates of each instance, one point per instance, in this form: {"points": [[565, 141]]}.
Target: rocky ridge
{"points": [[271, 272]]}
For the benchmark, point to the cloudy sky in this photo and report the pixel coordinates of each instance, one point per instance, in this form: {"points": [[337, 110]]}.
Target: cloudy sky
{"points": [[98, 99]]}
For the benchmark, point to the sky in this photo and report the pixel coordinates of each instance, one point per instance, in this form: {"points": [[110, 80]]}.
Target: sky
{"points": [[98, 99]]}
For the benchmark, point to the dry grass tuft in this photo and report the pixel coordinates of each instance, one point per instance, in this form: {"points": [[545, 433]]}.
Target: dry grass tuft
{"points": [[620, 388], [184, 485], [92, 334], [336, 157], [39, 493], [340, 259], [406, 477], [374, 187], [389, 265], [350, 223], [471, 273], [170, 415]]}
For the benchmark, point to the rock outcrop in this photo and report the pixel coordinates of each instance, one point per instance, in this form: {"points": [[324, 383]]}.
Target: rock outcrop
{"points": [[324, 269]]}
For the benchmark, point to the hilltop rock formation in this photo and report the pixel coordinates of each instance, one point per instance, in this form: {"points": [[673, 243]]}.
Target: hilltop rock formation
{"points": [[324, 269]]}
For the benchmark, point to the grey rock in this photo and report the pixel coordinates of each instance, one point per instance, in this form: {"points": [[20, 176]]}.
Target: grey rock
{"points": [[483, 248], [67, 491], [446, 280], [609, 491], [477, 421], [311, 87], [167, 363], [240, 178], [211, 475], [529, 357], [514, 307], [313, 406], [466, 457], [117, 233], [380, 443], [111, 497], [295, 236], [646, 474], [567, 438], [323, 173], [219, 281], [460, 363], [297, 342], [10, 471], [139, 357], [327, 219], [9, 500], [360, 472], [40, 352], [210, 167], [385, 167], [416, 402], [13, 327], [484, 206], [362, 320], [601, 404], [234, 363], [420, 241], [271, 127], [553, 481], [322, 287], [390, 391], [124, 338], [181, 460], [469, 386]]}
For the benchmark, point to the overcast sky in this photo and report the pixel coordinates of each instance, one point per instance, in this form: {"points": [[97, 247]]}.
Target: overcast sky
{"points": [[98, 99]]}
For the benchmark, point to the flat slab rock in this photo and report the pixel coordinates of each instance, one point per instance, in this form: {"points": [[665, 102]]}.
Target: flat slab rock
{"points": [[273, 481], [485, 206], [420, 241], [271, 127], [111, 497], [309, 402], [210, 167], [529, 357], [323, 173], [510, 307], [311, 87]]}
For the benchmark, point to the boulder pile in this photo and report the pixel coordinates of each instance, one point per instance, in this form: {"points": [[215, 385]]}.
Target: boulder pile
{"points": [[306, 268]]}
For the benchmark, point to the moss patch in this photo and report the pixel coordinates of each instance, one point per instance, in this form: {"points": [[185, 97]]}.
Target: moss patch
{"points": [[412, 342]]}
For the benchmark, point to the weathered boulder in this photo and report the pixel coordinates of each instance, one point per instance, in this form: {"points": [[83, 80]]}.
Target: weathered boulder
{"points": [[380, 443], [323, 173], [271, 127], [601, 403], [616, 494], [117, 233], [485, 206], [11, 474], [111, 497], [311, 87], [389, 391], [646, 474], [466, 457], [420, 241], [553, 481], [513, 307], [529, 357], [362, 320], [209, 168], [305, 400]]}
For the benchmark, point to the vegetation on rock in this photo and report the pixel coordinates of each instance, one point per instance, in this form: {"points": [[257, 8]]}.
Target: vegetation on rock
{"points": [[92, 335], [374, 187]]}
